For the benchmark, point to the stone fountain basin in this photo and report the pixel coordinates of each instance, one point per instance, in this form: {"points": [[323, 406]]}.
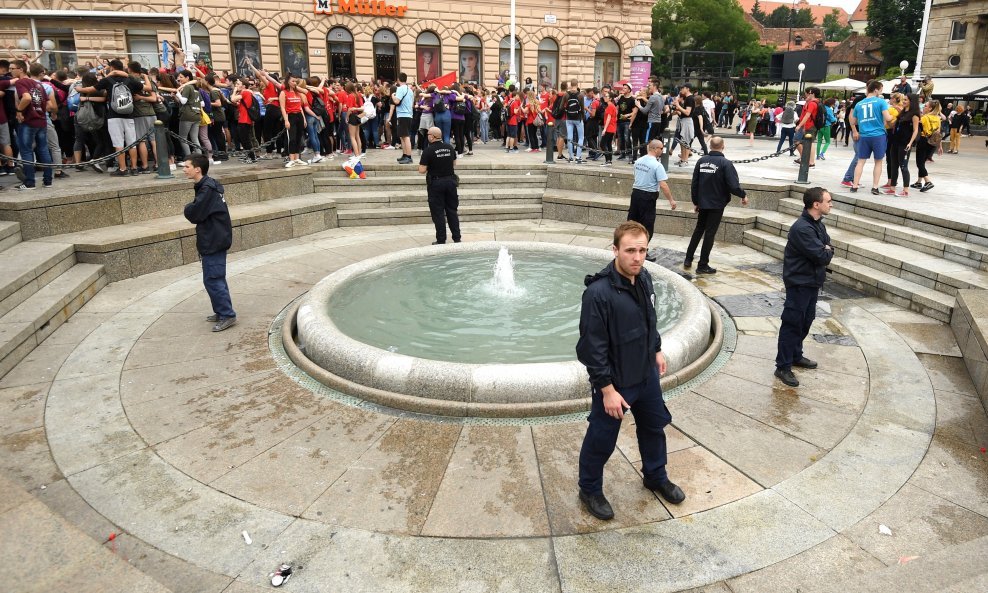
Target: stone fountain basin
{"points": [[463, 389]]}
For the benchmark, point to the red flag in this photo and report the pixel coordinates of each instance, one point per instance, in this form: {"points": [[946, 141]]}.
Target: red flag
{"points": [[444, 80]]}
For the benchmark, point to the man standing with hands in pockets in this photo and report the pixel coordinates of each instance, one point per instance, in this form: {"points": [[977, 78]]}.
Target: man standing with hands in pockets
{"points": [[621, 347]]}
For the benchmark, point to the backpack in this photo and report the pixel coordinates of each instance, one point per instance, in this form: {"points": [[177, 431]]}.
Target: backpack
{"points": [[318, 107], [88, 119], [255, 110], [440, 106], [574, 110], [207, 101], [788, 116], [558, 108], [460, 107], [935, 139], [121, 99], [73, 102], [261, 107], [820, 121]]}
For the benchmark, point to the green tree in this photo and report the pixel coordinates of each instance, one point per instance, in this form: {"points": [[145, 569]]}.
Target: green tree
{"points": [[803, 19], [833, 29], [896, 24], [705, 25], [757, 13], [779, 17]]}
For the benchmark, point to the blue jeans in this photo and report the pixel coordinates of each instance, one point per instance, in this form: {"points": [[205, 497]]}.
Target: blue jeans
{"points": [[214, 279], [34, 141], [575, 128], [370, 133], [651, 417], [310, 125], [789, 133], [444, 121], [485, 126], [849, 174]]}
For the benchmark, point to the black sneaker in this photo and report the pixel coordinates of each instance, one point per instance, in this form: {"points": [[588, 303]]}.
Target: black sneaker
{"points": [[134, 173], [669, 491], [917, 185], [805, 363], [597, 505], [61, 175], [224, 323], [20, 174], [705, 270], [926, 187], [98, 168], [213, 318], [786, 376], [119, 173]]}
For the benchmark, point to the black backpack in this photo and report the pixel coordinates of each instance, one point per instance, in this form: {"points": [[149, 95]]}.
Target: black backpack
{"points": [[559, 108], [574, 109], [254, 110], [318, 107], [440, 106], [460, 107], [820, 121]]}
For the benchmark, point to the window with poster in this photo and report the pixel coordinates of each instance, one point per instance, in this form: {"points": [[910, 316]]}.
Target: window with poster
{"points": [[142, 47], [606, 62], [504, 58], [62, 55], [385, 55], [200, 37], [246, 47], [471, 57], [548, 63], [428, 54], [340, 43], [294, 50]]}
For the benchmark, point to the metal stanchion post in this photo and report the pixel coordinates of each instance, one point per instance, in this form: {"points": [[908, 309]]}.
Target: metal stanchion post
{"points": [[550, 147], [804, 159], [161, 152], [667, 148]]}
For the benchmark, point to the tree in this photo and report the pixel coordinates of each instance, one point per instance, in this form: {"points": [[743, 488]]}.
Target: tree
{"points": [[784, 17], [757, 13], [803, 19], [705, 25], [779, 18], [896, 24], [833, 29]]}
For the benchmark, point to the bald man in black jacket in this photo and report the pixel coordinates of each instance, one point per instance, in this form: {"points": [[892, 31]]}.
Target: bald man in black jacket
{"points": [[714, 181]]}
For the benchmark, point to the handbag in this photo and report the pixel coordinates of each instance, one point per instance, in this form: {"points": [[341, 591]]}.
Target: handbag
{"points": [[539, 121], [204, 119]]}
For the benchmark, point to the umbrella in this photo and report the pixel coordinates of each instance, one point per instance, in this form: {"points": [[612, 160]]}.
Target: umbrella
{"points": [[844, 84]]}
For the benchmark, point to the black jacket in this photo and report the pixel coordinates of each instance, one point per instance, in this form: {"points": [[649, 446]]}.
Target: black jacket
{"points": [[805, 261], [617, 341], [214, 231], [714, 180]]}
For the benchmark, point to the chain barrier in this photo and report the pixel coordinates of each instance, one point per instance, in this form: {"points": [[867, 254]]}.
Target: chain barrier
{"points": [[681, 143], [228, 153], [59, 166]]}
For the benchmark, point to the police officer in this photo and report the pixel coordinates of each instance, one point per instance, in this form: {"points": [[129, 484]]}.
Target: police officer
{"points": [[649, 177], [714, 180], [621, 347], [437, 162]]}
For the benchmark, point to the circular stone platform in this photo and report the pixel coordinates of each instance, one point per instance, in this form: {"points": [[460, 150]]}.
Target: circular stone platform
{"points": [[466, 389]]}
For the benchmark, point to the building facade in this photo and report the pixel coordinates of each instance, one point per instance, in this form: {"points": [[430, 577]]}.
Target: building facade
{"points": [[957, 38], [586, 40]]}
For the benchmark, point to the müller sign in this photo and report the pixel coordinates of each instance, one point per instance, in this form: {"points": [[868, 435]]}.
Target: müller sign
{"points": [[368, 7]]}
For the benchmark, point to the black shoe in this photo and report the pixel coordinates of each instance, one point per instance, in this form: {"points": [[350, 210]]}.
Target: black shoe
{"points": [[439, 242], [926, 187], [119, 173], [224, 323], [917, 185], [786, 376], [134, 173], [805, 363], [705, 270], [688, 263], [669, 491], [597, 506], [213, 318], [61, 175], [874, 191]]}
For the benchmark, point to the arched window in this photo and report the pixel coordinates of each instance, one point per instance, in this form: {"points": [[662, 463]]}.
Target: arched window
{"points": [[428, 56], [606, 62], [385, 55], [294, 46], [340, 43], [471, 58], [200, 37], [548, 63], [504, 59], [246, 47]]}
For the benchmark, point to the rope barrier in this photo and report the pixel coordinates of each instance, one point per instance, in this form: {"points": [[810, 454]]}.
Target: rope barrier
{"points": [[228, 153], [94, 161]]}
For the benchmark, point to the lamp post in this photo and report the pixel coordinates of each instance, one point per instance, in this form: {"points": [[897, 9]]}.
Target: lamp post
{"points": [[511, 59], [903, 65], [801, 67]]}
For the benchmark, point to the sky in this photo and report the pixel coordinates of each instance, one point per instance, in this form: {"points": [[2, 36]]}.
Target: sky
{"points": [[847, 5]]}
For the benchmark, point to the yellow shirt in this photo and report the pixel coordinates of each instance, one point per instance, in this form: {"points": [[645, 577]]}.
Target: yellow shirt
{"points": [[895, 114], [930, 123]]}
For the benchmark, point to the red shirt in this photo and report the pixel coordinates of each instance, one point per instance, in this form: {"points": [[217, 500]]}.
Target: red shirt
{"points": [[330, 102], [270, 94], [611, 112], [531, 110], [513, 107], [809, 114], [546, 107], [246, 100], [293, 102]]}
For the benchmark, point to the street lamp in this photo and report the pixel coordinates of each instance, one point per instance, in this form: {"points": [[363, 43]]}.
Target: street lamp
{"points": [[801, 67], [903, 65]]}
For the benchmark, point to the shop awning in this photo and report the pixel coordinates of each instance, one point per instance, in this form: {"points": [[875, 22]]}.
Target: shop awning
{"points": [[949, 87]]}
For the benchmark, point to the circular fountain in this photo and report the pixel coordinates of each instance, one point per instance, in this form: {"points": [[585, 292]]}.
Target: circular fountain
{"points": [[473, 330]]}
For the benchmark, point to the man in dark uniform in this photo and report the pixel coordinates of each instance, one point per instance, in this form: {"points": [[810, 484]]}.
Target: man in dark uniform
{"points": [[804, 267], [214, 236], [714, 180], [622, 350], [437, 162]]}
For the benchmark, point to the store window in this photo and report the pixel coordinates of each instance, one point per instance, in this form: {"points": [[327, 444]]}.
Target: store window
{"points": [[504, 58], [246, 47], [428, 53], [142, 46], [200, 37], [471, 57], [340, 43], [294, 50], [385, 55], [607, 62], [548, 63], [60, 49]]}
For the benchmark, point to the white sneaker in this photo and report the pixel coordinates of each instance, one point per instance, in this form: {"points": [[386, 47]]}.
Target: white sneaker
{"points": [[216, 162], [300, 162], [316, 159], [289, 164], [171, 166]]}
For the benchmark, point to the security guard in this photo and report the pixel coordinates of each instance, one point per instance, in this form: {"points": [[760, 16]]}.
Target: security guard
{"points": [[622, 350], [650, 176], [437, 162]]}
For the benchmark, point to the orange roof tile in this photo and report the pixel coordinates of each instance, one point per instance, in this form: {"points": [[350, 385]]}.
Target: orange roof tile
{"points": [[818, 11]]}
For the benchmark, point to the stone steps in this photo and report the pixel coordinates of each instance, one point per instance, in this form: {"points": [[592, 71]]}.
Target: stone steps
{"points": [[10, 234], [30, 322], [863, 277], [27, 267], [928, 242], [414, 182], [462, 164], [468, 197], [420, 215], [130, 250]]}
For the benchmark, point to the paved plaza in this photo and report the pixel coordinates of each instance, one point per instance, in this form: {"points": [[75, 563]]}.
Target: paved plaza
{"points": [[141, 451]]}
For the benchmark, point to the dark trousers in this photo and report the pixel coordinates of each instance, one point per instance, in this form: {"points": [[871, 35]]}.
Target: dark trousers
{"points": [[642, 209], [898, 161], [533, 136], [707, 223], [651, 417], [605, 145], [214, 279], [457, 125], [593, 138], [443, 202], [797, 317], [218, 139], [244, 134], [923, 152], [273, 125]]}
